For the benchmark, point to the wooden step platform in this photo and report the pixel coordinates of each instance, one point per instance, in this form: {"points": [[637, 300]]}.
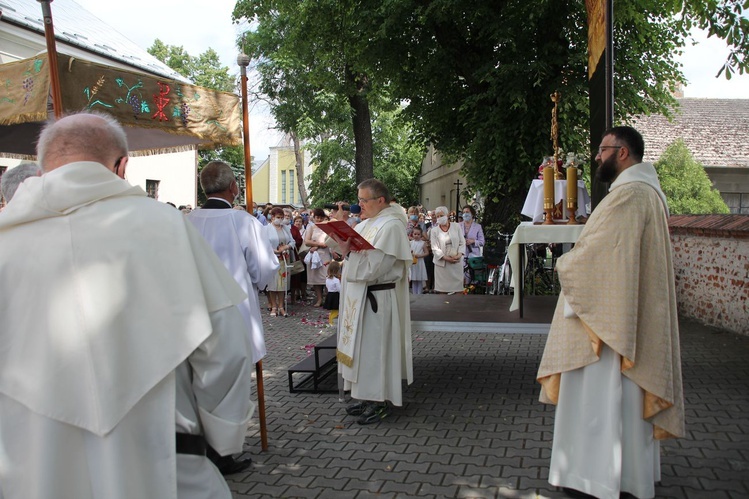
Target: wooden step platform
{"points": [[311, 374]]}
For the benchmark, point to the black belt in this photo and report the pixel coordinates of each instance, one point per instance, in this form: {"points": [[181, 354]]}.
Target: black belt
{"points": [[191, 444], [377, 287]]}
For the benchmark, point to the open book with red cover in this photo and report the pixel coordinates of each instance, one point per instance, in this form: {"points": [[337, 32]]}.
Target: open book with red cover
{"points": [[346, 233]]}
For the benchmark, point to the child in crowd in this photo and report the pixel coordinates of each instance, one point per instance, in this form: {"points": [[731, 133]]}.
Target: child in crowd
{"points": [[418, 269], [333, 285]]}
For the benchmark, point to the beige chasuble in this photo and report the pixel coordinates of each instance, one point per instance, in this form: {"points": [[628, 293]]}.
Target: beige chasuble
{"points": [[618, 282]]}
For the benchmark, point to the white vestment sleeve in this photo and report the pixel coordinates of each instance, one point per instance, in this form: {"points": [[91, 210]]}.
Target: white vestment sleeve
{"points": [[370, 266], [222, 371], [262, 262]]}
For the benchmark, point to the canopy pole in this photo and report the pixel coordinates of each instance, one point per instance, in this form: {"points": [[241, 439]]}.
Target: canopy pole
{"points": [[244, 60], [54, 74]]}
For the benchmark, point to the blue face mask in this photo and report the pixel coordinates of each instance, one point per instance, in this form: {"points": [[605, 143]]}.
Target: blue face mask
{"points": [[414, 218], [357, 219], [467, 217]]}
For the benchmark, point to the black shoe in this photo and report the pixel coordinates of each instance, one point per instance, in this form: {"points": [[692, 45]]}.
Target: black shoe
{"points": [[374, 413], [577, 494], [358, 408], [227, 465]]}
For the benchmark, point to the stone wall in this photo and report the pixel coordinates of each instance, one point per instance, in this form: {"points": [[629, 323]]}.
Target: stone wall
{"points": [[712, 276]]}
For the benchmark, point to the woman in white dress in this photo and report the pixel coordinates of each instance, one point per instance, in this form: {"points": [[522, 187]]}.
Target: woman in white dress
{"points": [[280, 238], [448, 247], [419, 250], [314, 238]]}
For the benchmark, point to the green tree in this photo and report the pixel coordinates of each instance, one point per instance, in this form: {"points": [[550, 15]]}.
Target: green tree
{"points": [[685, 183], [206, 71], [319, 46], [476, 76], [397, 160]]}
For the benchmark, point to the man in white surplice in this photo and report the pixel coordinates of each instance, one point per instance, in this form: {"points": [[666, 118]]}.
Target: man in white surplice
{"points": [[612, 362], [120, 351], [374, 336], [237, 238]]}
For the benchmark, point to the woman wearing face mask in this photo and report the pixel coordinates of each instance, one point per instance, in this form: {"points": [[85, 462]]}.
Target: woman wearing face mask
{"points": [[448, 247], [472, 232], [317, 270], [413, 220], [280, 238]]}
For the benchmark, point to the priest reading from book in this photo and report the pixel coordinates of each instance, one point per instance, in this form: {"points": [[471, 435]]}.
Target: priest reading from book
{"points": [[374, 332]]}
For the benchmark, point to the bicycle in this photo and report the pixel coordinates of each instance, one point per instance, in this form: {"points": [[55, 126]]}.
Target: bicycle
{"points": [[540, 278], [499, 272]]}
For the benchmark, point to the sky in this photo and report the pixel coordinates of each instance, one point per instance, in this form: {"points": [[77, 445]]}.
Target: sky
{"points": [[199, 24]]}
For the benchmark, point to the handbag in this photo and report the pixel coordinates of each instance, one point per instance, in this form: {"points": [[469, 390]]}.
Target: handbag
{"points": [[296, 268]]}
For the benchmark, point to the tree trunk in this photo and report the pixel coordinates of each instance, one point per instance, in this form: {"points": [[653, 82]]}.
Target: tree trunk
{"points": [[299, 158], [364, 159]]}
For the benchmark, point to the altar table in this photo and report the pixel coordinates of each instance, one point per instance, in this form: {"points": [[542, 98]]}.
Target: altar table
{"points": [[528, 232]]}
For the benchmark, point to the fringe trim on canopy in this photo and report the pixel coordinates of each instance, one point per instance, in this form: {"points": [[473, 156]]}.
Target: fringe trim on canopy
{"points": [[24, 118], [11, 155], [163, 150]]}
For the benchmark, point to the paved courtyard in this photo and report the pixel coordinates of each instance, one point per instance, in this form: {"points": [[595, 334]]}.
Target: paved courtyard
{"points": [[472, 426]]}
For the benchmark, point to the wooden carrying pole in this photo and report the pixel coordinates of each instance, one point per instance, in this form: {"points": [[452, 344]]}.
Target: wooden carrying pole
{"points": [[54, 74], [243, 61]]}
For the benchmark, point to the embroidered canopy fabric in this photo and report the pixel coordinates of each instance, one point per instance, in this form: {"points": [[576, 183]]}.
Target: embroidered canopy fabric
{"points": [[159, 115]]}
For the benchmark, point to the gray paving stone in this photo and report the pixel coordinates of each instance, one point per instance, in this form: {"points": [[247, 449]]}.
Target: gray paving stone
{"points": [[428, 489], [302, 493], [462, 480], [474, 492], [473, 415]]}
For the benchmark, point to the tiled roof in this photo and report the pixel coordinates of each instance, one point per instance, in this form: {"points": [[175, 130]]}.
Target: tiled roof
{"points": [[76, 26], [736, 226], [716, 131]]}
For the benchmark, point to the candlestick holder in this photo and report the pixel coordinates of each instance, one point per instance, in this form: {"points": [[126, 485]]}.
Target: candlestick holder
{"points": [[548, 213], [571, 211]]}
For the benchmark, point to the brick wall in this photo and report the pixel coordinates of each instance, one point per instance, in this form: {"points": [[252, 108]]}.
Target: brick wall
{"points": [[712, 277]]}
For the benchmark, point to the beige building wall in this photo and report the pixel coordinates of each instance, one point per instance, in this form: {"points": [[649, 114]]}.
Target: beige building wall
{"points": [[437, 182], [260, 182], [275, 181]]}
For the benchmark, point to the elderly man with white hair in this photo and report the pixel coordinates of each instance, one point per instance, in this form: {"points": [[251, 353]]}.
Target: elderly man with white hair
{"points": [[122, 351]]}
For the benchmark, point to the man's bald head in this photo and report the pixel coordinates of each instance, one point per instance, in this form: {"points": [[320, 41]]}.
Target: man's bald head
{"points": [[87, 136]]}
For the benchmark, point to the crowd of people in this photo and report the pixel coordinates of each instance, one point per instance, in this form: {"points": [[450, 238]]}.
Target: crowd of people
{"points": [[440, 241], [128, 341]]}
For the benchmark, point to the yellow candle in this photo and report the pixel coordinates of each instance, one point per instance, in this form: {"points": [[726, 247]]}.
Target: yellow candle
{"points": [[548, 188], [572, 184]]}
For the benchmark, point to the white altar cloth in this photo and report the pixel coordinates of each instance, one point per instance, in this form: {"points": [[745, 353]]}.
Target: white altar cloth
{"points": [[527, 232], [534, 202]]}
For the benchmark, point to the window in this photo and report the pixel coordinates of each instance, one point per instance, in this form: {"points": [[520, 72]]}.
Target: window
{"points": [[738, 202], [152, 188], [283, 186], [291, 186]]}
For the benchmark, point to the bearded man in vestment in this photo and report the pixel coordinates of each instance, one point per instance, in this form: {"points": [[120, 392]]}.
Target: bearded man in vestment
{"points": [[237, 238], [612, 363], [374, 337], [121, 356]]}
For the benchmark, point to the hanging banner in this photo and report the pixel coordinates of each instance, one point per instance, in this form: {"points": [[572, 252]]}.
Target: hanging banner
{"points": [[190, 115], [596, 33]]}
